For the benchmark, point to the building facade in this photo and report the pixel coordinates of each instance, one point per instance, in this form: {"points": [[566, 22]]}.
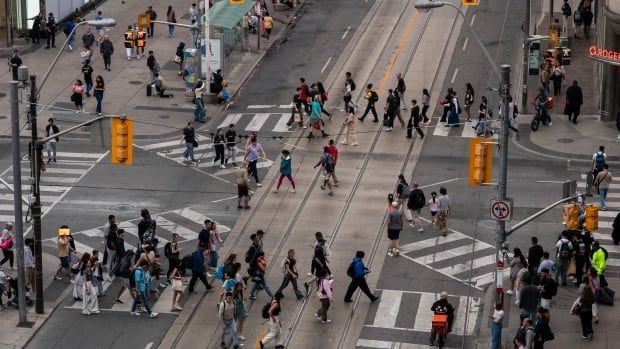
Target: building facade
{"points": [[607, 77]]}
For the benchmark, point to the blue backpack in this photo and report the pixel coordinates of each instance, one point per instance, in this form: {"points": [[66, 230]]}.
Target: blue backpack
{"points": [[219, 272]]}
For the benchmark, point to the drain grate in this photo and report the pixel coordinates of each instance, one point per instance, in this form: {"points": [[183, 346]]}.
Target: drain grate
{"points": [[122, 207]]}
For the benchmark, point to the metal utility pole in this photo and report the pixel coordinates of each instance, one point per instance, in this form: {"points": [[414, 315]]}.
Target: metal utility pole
{"points": [[35, 163], [500, 236], [18, 229], [550, 13], [526, 55], [207, 47], [258, 25]]}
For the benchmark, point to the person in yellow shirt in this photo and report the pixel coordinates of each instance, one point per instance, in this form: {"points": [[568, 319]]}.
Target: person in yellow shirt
{"points": [[268, 25]]}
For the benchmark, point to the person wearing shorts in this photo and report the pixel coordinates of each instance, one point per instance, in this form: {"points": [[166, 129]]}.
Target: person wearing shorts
{"points": [[395, 225], [64, 256], [243, 187]]}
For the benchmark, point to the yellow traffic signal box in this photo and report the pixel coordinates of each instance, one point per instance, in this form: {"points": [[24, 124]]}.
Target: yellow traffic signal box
{"points": [[122, 141], [570, 216], [591, 217], [469, 2], [480, 161]]}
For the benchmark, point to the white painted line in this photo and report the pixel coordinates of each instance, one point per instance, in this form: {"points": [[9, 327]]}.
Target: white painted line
{"points": [[210, 163], [456, 71], [64, 170], [7, 218], [487, 278], [607, 214], [225, 199], [164, 301], [200, 218], [468, 265], [600, 236], [604, 224], [161, 145], [473, 18], [441, 129], [62, 154], [263, 164], [463, 312], [370, 343], [258, 120], [92, 232], [442, 182], [451, 253], [260, 106], [285, 106], [184, 232], [230, 119], [614, 262], [47, 188], [468, 130], [424, 315], [281, 124], [436, 241], [388, 309], [326, 64], [181, 149], [612, 248], [611, 186], [51, 180], [345, 33], [465, 44]]}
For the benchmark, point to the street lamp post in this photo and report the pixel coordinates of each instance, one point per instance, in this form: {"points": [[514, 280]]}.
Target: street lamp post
{"points": [[36, 148], [504, 76]]}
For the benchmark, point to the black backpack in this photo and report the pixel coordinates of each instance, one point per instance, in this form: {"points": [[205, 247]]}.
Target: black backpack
{"points": [[352, 84], [566, 10], [187, 262], [564, 253], [265, 311], [374, 97], [168, 250], [351, 270], [553, 289]]}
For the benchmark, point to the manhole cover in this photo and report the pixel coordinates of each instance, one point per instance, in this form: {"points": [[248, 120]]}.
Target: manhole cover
{"points": [[122, 207], [135, 82], [565, 140], [2, 117], [164, 116]]}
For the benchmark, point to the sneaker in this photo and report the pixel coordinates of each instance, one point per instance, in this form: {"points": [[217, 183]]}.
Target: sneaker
{"points": [[86, 312], [354, 144], [509, 292], [209, 275], [375, 299], [134, 313], [276, 190], [331, 193], [317, 315], [293, 190], [162, 285], [253, 298], [241, 338], [118, 301], [153, 315], [328, 321], [343, 143], [322, 188], [57, 278], [259, 185], [222, 166], [412, 225], [95, 312], [390, 253]]}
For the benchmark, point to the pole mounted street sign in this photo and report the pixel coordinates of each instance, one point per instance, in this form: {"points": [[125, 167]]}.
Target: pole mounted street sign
{"points": [[501, 210]]}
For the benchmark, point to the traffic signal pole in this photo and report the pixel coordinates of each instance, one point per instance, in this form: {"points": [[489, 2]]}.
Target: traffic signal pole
{"points": [[526, 55]]}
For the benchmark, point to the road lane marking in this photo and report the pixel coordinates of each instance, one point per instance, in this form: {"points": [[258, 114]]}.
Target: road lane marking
{"points": [[456, 71], [465, 44], [401, 43], [473, 18], [345, 33], [388, 309], [326, 64]]}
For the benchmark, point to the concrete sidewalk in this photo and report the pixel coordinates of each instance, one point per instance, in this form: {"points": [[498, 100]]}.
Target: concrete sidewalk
{"points": [[125, 84]]}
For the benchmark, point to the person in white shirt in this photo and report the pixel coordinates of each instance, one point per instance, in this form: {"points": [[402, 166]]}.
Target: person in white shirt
{"points": [[496, 326]]}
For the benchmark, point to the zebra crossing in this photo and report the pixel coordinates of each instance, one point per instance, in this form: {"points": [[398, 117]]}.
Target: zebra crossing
{"points": [[401, 312], [56, 181], [186, 222], [605, 221], [466, 129], [456, 255], [204, 153]]}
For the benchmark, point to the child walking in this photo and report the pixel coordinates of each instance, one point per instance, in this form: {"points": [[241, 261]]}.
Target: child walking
{"points": [[432, 204]]}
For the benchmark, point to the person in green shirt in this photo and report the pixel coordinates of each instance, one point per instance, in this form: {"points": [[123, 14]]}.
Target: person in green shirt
{"points": [[285, 170]]}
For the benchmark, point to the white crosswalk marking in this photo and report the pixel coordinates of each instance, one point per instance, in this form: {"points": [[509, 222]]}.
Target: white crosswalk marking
{"points": [[441, 129], [390, 308], [230, 119], [55, 182], [606, 219], [375, 344], [281, 124], [257, 122]]}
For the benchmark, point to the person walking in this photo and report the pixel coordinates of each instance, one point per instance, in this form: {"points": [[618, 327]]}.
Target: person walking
{"points": [[333, 151], [289, 269], [542, 329], [37, 21], [416, 202], [64, 250], [587, 16], [259, 276], [198, 270], [275, 326], [226, 312], [323, 96], [88, 39], [372, 97], [357, 271], [601, 185], [349, 86], [142, 280], [77, 95], [394, 226], [528, 299], [426, 101], [548, 288], [564, 250], [178, 57], [152, 16], [574, 100], [296, 110], [231, 145], [517, 262], [315, 118], [14, 63], [90, 303], [586, 299], [68, 30], [350, 136], [325, 294], [189, 137], [534, 254], [400, 89], [443, 204], [219, 144], [50, 130], [171, 17], [253, 152], [455, 108], [106, 48], [403, 191], [469, 100], [286, 170], [267, 25], [327, 165], [6, 244], [87, 70], [599, 261], [557, 75], [50, 30], [99, 89], [243, 187], [414, 120]]}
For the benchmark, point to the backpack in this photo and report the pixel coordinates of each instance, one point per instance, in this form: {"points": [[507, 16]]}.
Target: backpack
{"points": [[374, 97], [219, 272], [352, 84], [187, 262], [249, 254], [168, 250], [599, 161], [406, 191], [328, 162], [553, 291], [283, 266], [564, 253], [351, 270], [515, 111], [577, 16], [566, 9], [265, 311]]}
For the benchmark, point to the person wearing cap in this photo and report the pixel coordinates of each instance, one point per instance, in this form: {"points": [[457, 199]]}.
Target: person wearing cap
{"points": [[394, 226], [226, 312], [442, 306], [6, 242]]}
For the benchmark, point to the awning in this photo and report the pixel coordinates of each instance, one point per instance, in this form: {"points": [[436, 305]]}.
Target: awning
{"points": [[224, 15]]}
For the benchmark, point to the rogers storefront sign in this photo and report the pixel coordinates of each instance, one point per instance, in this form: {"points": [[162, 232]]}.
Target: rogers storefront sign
{"points": [[604, 54]]}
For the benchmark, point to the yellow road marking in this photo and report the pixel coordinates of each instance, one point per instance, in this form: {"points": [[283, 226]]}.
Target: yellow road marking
{"points": [[262, 334], [401, 44]]}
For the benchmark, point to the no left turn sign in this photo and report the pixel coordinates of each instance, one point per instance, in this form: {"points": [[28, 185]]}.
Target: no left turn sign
{"points": [[501, 210]]}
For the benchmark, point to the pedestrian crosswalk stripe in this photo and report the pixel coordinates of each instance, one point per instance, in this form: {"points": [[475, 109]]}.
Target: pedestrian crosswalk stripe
{"points": [[230, 119], [260, 106], [467, 265], [377, 344], [467, 310], [439, 240], [199, 218], [63, 170], [257, 122], [611, 186], [50, 179], [161, 145], [468, 130], [451, 253], [7, 218], [441, 129], [281, 125], [264, 164], [172, 227]]}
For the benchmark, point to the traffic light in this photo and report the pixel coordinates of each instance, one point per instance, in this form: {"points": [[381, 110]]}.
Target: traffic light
{"points": [[469, 2], [570, 216], [591, 217], [480, 161], [122, 141]]}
